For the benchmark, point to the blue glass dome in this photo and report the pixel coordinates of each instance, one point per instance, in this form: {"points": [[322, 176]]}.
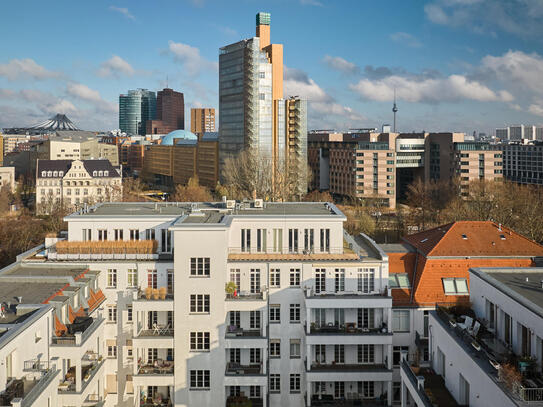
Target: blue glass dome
{"points": [[168, 139]]}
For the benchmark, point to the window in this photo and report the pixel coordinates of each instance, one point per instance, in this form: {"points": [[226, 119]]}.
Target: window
{"points": [[400, 320], [397, 354], [320, 280], [129, 313], [295, 349], [254, 280], [339, 280], [199, 303], [366, 354], [275, 278], [255, 355], [455, 286], [132, 278], [170, 281], [295, 313], [199, 379], [87, 234], [152, 278], [262, 96], [199, 341], [366, 280], [102, 234], [111, 351], [111, 278], [112, 313], [293, 240], [200, 266], [320, 354], [277, 240], [166, 239], [294, 277], [275, 383], [254, 319], [325, 240], [339, 353], [150, 234], [235, 318], [235, 277], [275, 348], [245, 240], [262, 74], [118, 233], [366, 389], [366, 318], [309, 240], [235, 355], [295, 383], [275, 313], [398, 280], [134, 234], [254, 391], [261, 240]]}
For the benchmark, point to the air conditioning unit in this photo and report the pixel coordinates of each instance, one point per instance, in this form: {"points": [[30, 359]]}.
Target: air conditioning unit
{"points": [[230, 204], [259, 203]]}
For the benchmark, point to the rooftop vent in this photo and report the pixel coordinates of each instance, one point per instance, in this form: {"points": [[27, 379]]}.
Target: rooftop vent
{"points": [[20, 299], [424, 240], [259, 203], [527, 280], [230, 204]]}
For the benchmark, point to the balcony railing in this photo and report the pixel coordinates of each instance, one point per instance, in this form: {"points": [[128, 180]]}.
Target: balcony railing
{"points": [[104, 250], [155, 294], [246, 295], [235, 369], [40, 387], [347, 329], [233, 331], [531, 395], [243, 401], [28, 389], [35, 365], [162, 367], [347, 367], [157, 331], [88, 372], [299, 250]]}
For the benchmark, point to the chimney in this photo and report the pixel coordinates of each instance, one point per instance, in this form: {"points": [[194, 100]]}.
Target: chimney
{"points": [[20, 299], [527, 280], [500, 227]]}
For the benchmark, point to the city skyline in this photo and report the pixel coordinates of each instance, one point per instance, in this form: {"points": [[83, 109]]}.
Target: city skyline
{"points": [[455, 65]]}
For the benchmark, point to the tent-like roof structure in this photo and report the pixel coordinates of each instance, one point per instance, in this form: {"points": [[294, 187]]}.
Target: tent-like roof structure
{"points": [[57, 122]]}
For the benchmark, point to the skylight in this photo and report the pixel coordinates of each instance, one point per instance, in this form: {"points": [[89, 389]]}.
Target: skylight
{"points": [[398, 280]]}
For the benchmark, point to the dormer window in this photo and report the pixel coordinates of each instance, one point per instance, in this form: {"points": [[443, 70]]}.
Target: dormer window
{"points": [[100, 173], [94, 173], [44, 173], [49, 173], [502, 237], [61, 173], [106, 173], [55, 173], [465, 237]]}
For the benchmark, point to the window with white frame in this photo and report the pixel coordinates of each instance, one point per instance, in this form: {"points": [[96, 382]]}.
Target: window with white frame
{"points": [[111, 278], [275, 278], [275, 313], [112, 313], [129, 313], [199, 303], [455, 286], [235, 277], [366, 280], [134, 234], [112, 351], [400, 320], [339, 279], [295, 352], [275, 383], [366, 389], [132, 278], [199, 379], [325, 240], [152, 278], [275, 348], [294, 313], [366, 354], [295, 277], [294, 382], [320, 280], [398, 280], [255, 355], [200, 266], [245, 240], [261, 235], [118, 234], [199, 341]]}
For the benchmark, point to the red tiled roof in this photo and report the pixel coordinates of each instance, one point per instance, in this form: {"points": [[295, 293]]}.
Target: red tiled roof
{"points": [[71, 314], [60, 328], [473, 238]]}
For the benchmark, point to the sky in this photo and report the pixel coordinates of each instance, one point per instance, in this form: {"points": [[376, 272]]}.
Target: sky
{"points": [[456, 65]]}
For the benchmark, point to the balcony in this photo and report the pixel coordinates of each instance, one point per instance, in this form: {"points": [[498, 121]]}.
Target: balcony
{"points": [[243, 401], [236, 369], [349, 328], [155, 402], [78, 332], [342, 367], [237, 332], [332, 371], [160, 367], [295, 254], [28, 388], [104, 250], [246, 295], [154, 294], [88, 372], [350, 400]]}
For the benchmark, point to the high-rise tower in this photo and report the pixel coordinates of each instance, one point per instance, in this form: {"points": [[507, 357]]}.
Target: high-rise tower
{"points": [[253, 113], [394, 110], [135, 109]]}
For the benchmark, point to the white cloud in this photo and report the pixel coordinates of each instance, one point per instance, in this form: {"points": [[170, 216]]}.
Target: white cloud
{"points": [[341, 65], [406, 39], [83, 92], [536, 108], [124, 11], [190, 58], [25, 68], [115, 67], [311, 3], [431, 90]]}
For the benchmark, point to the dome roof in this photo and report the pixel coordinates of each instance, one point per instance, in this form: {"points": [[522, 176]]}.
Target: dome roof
{"points": [[168, 139]]}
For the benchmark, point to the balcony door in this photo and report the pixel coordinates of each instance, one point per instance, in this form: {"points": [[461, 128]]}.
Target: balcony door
{"points": [[255, 281]]}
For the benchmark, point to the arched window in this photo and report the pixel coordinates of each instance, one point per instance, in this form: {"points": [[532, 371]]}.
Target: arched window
{"points": [[43, 173], [94, 173], [61, 173], [100, 173], [55, 173], [106, 173], [49, 173]]}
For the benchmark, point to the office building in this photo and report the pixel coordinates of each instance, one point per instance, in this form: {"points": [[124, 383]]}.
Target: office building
{"points": [[135, 109], [202, 120], [489, 354], [79, 145], [253, 113], [519, 132], [522, 163], [170, 113], [381, 166], [75, 183], [182, 155]]}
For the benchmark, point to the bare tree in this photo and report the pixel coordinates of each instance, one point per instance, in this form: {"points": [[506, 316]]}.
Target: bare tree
{"points": [[192, 192]]}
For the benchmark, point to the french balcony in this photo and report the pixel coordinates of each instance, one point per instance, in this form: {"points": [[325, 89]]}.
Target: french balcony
{"points": [[30, 388]]}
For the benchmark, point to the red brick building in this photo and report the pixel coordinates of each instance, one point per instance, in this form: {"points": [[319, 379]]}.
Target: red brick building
{"points": [[170, 112]]}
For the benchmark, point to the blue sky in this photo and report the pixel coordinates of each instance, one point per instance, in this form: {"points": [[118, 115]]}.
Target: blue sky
{"points": [[456, 65]]}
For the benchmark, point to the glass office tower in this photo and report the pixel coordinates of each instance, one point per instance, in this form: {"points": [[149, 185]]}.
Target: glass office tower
{"points": [[135, 108]]}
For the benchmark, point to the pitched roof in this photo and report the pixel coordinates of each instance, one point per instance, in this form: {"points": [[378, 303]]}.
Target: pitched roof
{"points": [[100, 165], [473, 238], [90, 166], [53, 165]]}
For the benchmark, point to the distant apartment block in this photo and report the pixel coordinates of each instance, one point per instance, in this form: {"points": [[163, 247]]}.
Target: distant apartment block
{"points": [[202, 120], [380, 166], [519, 132], [7, 178], [523, 163], [76, 183]]}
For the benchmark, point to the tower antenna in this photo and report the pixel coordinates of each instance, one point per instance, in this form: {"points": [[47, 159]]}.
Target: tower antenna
{"points": [[166, 80], [394, 110]]}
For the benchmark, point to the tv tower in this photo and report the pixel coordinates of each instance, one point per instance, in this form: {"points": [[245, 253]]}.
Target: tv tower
{"points": [[394, 110]]}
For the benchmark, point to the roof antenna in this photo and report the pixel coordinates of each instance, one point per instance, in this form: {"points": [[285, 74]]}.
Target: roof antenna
{"points": [[394, 109], [166, 80]]}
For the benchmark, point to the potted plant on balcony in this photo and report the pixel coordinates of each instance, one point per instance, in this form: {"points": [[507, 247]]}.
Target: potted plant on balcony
{"points": [[230, 289], [510, 376]]}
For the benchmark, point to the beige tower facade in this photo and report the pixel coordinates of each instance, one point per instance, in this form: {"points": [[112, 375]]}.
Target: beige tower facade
{"points": [[202, 120]]}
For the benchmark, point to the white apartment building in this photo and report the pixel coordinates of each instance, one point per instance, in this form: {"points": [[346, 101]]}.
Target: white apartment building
{"points": [[7, 178], [270, 304], [75, 183], [491, 354]]}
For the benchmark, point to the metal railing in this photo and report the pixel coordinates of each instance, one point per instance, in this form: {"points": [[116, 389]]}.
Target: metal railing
{"points": [[40, 387], [415, 383], [531, 395], [72, 341], [35, 365], [299, 251]]}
